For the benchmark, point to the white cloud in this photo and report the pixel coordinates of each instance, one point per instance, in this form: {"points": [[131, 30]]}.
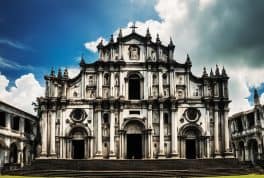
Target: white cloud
{"points": [[262, 98], [13, 65], [92, 45], [205, 3], [15, 44], [73, 72], [25, 91]]}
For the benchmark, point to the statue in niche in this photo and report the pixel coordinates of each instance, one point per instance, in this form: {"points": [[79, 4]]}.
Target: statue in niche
{"points": [[153, 55], [92, 94], [134, 52]]}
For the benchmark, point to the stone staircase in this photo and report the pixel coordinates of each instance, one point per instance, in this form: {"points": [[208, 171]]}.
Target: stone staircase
{"points": [[134, 168]]}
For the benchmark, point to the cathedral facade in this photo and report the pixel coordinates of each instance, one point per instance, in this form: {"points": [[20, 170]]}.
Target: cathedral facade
{"points": [[135, 102]]}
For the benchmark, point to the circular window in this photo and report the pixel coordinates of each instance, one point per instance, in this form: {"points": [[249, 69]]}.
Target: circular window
{"points": [[78, 114], [192, 114]]}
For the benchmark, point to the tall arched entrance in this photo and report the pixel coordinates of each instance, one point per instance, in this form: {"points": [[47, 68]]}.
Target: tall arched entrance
{"points": [[253, 150], [79, 143], [241, 151], [135, 140], [3, 150], [13, 157], [192, 143]]}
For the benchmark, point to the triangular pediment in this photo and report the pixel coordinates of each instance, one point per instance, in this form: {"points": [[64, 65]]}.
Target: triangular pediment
{"points": [[134, 37]]}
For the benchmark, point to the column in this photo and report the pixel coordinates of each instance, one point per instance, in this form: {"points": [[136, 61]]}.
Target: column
{"points": [[161, 141], [100, 78], [121, 145], [112, 84], [20, 153], [44, 130], [52, 134], [121, 84], [171, 84], [228, 152], [91, 147], [160, 84], [150, 150], [174, 134], [208, 147], [21, 125], [112, 134], [246, 153], [8, 121], [216, 134], [150, 83], [121, 137], [99, 134]]}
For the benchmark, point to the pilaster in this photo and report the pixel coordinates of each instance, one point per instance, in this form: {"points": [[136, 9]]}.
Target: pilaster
{"points": [[161, 141], [112, 154], [174, 134], [99, 154]]}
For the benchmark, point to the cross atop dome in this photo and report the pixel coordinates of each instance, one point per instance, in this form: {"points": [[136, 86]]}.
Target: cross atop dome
{"points": [[133, 27]]}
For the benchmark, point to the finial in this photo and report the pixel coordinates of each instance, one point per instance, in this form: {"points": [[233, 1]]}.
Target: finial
{"points": [[82, 62], [158, 39], [171, 43], [205, 72], [133, 27], [148, 35], [100, 45], [211, 73], [256, 97], [217, 73], [59, 74], [188, 59], [111, 39], [65, 74], [52, 72], [120, 35], [224, 72]]}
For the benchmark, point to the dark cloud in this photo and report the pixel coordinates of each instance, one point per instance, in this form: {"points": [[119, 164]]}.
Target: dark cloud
{"points": [[232, 32]]}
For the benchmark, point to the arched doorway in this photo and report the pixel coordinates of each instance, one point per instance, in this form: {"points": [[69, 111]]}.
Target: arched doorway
{"points": [[13, 153], [192, 143], [135, 140], [3, 149], [241, 151], [253, 150], [79, 143], [27, 155], [134, 87]]}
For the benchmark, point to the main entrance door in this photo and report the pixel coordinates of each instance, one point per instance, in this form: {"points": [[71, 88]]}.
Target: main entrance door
{"points": [[78, 149], [190, 149], [134, 146]]}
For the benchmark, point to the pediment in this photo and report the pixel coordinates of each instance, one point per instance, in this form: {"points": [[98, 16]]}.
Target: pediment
{"points": [[134, 38]]}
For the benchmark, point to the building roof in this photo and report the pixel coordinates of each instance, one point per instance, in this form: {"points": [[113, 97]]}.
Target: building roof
{"points": [[17, 110]]}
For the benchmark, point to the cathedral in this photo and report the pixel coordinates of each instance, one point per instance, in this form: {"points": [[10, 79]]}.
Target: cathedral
{"points": [[135, 102]]}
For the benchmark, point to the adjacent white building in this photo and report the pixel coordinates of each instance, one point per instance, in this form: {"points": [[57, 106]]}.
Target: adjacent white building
{"points": [[18, 131], [135, 102], [247, 132]]}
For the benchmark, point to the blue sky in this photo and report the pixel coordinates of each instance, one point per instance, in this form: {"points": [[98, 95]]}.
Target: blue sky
{"points": [[36, 35]]}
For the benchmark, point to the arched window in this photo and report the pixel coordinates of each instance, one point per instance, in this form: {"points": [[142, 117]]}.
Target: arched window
{"points": [[166, 118], [154, 79], [116, 79], [165, 79], [134, 87], [106, 79], [105, 118]]}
